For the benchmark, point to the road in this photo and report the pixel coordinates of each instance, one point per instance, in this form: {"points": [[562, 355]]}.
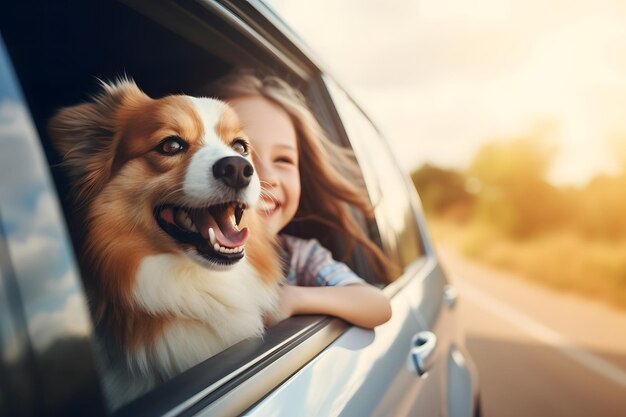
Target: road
{"points": [[539, 352]]}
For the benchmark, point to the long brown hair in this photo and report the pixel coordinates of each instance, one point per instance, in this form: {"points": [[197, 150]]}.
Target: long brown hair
{"points": [[330, 177]]}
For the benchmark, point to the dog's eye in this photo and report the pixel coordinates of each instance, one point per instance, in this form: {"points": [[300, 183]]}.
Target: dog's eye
{"points": [[240, 146], [172, 145]]}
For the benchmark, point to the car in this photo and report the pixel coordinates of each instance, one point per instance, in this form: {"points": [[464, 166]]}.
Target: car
{"points": [[52, 54]]}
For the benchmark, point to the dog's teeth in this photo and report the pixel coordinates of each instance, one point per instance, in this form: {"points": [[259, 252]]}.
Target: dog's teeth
{"points": [[212, 237], [183, 220], [190, 224], [222, 249], [238, 214], [179, 217]]}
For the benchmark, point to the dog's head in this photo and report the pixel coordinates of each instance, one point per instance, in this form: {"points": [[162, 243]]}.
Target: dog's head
{"points": [[173, 173]]}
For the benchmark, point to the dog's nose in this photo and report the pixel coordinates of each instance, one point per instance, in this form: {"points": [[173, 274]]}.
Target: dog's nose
{"points": [[233, 171]]}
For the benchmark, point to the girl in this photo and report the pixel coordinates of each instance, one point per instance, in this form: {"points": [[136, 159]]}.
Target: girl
{"points": [[291, 154]]}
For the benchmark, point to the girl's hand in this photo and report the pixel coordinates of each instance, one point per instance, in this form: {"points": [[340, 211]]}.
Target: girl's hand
{"points": [[286, 305], [359, 304]]}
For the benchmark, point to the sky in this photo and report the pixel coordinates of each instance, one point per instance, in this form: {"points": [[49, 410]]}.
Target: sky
{"points": [[442, 78], [30, 224]]}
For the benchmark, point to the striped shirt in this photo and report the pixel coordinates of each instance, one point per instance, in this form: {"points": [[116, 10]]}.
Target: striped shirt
{"points": [[309, 264]]}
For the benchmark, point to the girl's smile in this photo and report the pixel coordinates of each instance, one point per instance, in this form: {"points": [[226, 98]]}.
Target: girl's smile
{"points": [[267, 206]]}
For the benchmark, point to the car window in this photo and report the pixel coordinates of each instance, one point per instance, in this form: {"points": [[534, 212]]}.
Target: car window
{"points": [[385, 181], [167, 48]]}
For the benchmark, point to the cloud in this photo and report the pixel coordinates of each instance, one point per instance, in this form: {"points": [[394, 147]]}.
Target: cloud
{"points": [[21, 158], [41, 250], [18, 138], [33, 228], [44, 268], [31, 215], [72, 320]]}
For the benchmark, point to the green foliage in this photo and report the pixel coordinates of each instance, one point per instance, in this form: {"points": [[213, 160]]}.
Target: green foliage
{"points": [[569, 238], [516, 197], [512, 196], [521, 161], [601, 208], [440, 189]]}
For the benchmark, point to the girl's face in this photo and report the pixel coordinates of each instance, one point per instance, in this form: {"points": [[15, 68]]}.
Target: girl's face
{"points": [[275, 156]]}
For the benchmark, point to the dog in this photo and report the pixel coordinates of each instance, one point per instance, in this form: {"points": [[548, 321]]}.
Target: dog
{"points": [[174, 270]]}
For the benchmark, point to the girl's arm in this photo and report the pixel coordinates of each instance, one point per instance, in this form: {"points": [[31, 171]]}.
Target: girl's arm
{"points": [[360, 304]]}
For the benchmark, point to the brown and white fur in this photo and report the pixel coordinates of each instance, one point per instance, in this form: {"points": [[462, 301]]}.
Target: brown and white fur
{"points": [[142, 172]]}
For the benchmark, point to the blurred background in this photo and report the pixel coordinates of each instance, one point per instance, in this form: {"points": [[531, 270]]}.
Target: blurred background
{"points": [[510, 117]]}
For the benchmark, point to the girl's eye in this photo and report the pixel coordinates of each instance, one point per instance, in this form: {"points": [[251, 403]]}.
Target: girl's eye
{"points": [[284, 160], [240, 146], [171, 146]]}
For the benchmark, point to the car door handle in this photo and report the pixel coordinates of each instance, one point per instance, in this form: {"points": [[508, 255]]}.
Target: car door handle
{"points": [[423, 350], [450, 295]]}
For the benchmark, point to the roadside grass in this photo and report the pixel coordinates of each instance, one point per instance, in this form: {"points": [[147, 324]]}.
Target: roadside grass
{"points": [[562, 260]]}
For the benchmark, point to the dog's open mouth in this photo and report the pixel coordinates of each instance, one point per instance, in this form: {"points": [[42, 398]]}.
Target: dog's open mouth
{"points": [[213, 231]]}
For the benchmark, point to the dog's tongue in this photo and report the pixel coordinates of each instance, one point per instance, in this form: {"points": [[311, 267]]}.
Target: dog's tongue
{"points": [[222, 220]]}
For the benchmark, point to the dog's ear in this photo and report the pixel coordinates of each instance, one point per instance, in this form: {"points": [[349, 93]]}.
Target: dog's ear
{"points": [[85, 136]]}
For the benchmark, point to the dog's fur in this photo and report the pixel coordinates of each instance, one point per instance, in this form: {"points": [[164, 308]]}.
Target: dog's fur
{"points": [[160, 306]]}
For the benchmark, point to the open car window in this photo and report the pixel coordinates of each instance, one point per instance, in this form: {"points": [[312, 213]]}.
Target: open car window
{"points": [[168, 48]]}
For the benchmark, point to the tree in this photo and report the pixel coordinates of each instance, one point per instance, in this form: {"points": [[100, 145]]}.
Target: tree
{"points": [[516, 197], [440, 189]]}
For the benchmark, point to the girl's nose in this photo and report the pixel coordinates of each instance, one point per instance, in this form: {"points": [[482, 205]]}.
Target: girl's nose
{"points": [[266, 173]]}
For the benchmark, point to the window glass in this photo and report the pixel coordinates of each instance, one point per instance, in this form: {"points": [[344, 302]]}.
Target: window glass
{"points": [[385, 181], [44, 321]]}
